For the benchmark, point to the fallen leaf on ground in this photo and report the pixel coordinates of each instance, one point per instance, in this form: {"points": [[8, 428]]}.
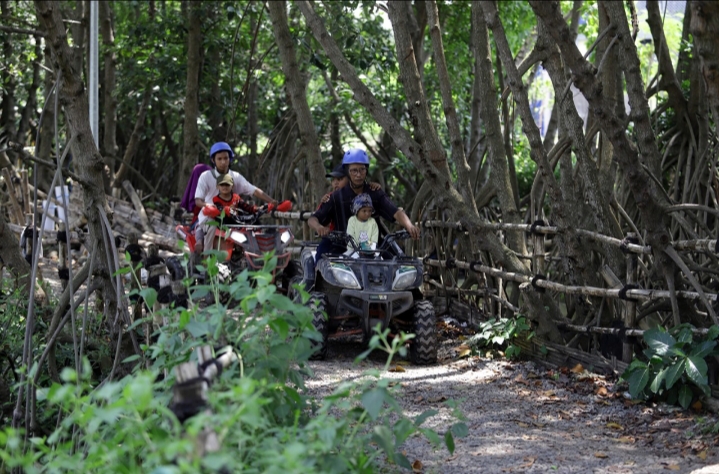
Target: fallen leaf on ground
{"points": [[602, 391], [532, 375], [441, 398], [702, 455], [672, 467], [417, 466], [578, 369], [626, 439], [697, 406], [522, 424], [520, 379], [614, 426], [398, 368], [530, 460], [418, 399], [600, 455]]}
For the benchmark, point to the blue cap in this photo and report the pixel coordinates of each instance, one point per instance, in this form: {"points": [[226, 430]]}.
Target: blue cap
{"points": [[338, 172]]}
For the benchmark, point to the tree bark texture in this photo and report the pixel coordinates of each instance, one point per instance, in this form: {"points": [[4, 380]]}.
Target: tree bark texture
{"points": [[705, 29], [450, 112], [648, 198], [191, 138], [424, 131], [109, 102], [88, 162], [499, 174], [295, 83]]}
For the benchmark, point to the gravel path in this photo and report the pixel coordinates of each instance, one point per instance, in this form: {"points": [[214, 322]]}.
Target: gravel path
{"points": [[523, 417]]}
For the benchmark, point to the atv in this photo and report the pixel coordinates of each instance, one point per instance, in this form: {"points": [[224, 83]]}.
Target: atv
{"points": [[363, 288], [244, 241]]}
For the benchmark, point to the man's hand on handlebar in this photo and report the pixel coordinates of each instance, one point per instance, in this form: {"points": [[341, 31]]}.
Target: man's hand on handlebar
{"points": [[322, 231], [413, 231]]}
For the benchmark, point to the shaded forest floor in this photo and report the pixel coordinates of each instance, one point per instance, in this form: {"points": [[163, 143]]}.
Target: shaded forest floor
{"points": [[526, 417]]}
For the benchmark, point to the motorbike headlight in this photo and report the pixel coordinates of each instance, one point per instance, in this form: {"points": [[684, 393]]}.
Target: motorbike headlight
{"points": [[238, 237], [404, 278], [345, 277], [286, 236]]}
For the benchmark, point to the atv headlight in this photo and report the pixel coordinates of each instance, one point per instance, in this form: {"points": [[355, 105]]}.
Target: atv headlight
{"points": [[238, 237], [345, 277], [404, 278], [286, 236]]}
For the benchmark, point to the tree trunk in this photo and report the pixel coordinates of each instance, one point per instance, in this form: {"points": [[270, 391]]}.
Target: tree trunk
{"points": [[30, 109], [295, 83], [109, 102], [134, 145], [499, 174], [88, 162], [9, 80], [190, 151], [424, 131], [450, 112], [11, 257], [705, 29]]}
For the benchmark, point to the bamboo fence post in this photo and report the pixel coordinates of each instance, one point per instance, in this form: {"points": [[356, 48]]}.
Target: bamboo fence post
{"points": [[538, 261], [630, 307], [16, 214], [25, 191], [62, 259]]}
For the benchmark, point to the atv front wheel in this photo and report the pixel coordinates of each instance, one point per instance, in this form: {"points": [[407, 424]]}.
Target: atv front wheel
{"points": [[318, 305], [423, 348]]}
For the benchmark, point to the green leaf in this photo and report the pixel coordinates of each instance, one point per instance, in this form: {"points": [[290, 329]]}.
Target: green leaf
{"points": [[424, 416], [131, 358], [696, 369], [703, 349], [685, 396], [659, 341], [713, 333], [383, 437], [149, 295], [460, 430], [372, 401], [198, 328], [656, 384], [449, 442], [637, 381], [674, 373], [281, 327]]}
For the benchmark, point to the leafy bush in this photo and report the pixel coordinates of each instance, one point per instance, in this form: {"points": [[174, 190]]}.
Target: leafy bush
{"points": [[675, 369], [496, 333], [259, 407]]}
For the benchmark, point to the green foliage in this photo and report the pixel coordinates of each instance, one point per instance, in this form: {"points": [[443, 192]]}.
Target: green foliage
{"points": [[259, 407], [499, 333], [675, 369]]}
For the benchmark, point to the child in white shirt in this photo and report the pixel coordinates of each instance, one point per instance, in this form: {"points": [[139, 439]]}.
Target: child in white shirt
{"points": [[362, 226]]}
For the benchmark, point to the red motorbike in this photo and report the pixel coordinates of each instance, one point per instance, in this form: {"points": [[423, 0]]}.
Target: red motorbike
{"points": [[244, 241]]}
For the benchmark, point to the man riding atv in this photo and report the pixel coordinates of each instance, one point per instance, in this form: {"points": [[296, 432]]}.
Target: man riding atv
{"points": [[338, 208], [352, 294], [221, 156]]}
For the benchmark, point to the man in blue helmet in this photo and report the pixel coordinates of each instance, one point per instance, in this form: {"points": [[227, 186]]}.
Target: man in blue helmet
{"points": [[338, 208], [221, 157]]}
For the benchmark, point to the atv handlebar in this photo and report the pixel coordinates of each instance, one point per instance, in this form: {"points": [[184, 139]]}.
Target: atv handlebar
{"points": [[389, 241]]}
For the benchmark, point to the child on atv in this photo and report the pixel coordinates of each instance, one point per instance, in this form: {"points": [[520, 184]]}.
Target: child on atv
{"points": [[225, 201], [362, 226]]}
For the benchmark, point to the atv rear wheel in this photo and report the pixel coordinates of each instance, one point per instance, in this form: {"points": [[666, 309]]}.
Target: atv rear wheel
{"points": [[318, 305], [174, 266], [293, 293], [423, 348]]}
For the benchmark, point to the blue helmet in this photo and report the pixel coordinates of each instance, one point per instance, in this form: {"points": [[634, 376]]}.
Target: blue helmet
{"points": [[218, 147], [355, 155], [360, 201]]}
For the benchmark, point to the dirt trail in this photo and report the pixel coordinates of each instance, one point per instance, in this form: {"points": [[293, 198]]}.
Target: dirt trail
{"points": [[523, 417]]}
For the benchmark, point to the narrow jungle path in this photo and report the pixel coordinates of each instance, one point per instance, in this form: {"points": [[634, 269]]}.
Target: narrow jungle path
{"points": [[524, 417]]}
